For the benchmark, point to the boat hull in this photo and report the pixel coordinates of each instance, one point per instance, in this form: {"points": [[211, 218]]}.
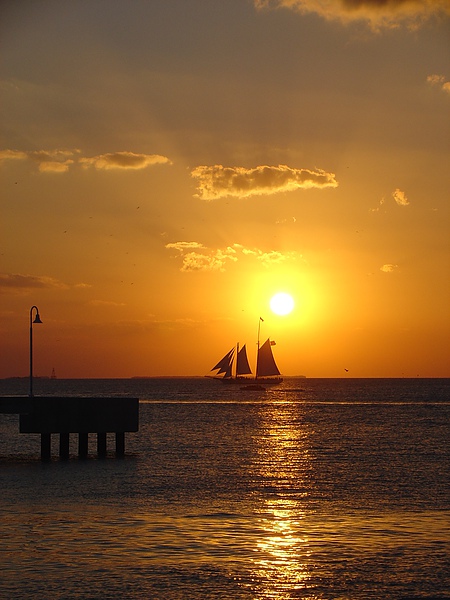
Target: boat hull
{"points": [[248, 381]]}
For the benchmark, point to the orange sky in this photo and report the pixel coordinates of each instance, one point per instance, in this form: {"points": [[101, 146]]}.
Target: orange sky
{"points": [[167, 167]]}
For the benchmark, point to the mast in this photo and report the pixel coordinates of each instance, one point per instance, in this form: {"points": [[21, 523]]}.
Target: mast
{"points": [[257, 346]]}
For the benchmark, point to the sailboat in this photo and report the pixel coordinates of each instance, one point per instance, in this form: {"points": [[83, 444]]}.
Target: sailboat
{"points": [[234, 366]]}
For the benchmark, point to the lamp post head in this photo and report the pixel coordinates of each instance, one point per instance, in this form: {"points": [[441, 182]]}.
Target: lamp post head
{"points": [[37, 318]]}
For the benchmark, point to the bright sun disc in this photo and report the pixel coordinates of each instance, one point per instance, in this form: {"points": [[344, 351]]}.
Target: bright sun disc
{"points": [[282, 304]]}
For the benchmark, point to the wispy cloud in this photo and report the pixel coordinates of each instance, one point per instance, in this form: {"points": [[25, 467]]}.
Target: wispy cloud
{"points": [[17, 282], [12, 155], [106, 303], [59, 161], [123, 160], [388, 268], [82, 286], [400, 197], [210, 259], [182, 246], [439, 81], [217, 181], [266, 258], [48, 161], [377, 14], [207, 260], [193, 261]]}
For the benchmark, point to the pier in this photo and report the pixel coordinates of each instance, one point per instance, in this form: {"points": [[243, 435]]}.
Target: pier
{"points": [[48, 415]]}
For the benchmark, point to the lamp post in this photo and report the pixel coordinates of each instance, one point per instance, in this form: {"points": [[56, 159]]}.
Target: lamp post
{"points": [[37, 319]]}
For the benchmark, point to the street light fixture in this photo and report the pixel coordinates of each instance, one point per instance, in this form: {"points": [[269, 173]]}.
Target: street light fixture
{"points": [[37, 319]]}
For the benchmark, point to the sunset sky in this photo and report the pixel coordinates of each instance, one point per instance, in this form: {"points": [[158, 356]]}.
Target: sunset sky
{"points": [[167, 166]]}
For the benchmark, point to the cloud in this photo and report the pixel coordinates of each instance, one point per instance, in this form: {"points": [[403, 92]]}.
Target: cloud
{"points": [[388, 268], [216, 181], [272, 257], [106, 303], [54, 161], [59, 161], [12, 155], [17, 282], [83, 286], [182, 246], [216, 259], [400, 197], [377, 14], [208, 260], [193, 261], [55, 167], [123, 160], [377, 208], [440, 81]]}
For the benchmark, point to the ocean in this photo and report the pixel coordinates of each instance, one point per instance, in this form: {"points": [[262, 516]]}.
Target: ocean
{"points": [[315, 489]]}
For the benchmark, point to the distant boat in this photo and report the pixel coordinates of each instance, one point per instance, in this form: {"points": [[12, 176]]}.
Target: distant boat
{"points": [[53, 375], [234, 366]]}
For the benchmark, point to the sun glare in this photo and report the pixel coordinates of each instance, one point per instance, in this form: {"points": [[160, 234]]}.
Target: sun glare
{"points": [[282, 303]]}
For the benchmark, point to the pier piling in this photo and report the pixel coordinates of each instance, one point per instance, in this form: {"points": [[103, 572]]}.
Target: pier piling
{"points": [[46, 446], [83, 443], [64, 443], [120, 443], [101, 444]]}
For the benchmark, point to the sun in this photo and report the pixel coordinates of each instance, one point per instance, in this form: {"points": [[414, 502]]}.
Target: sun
{"points": [[282, 303]]}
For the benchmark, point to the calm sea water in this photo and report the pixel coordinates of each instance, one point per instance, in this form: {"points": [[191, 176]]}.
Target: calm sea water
{"points": [[317, 489]]}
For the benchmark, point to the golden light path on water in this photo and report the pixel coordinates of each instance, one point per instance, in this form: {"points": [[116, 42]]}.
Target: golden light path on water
{"points": [[281, 564]]}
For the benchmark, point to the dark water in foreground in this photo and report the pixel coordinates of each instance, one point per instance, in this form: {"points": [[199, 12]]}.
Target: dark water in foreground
{"points": [[319, 489]]}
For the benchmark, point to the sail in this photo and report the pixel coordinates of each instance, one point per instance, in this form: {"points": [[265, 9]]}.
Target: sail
{"points": [[266, 365], [224, 365], [242, 367]]}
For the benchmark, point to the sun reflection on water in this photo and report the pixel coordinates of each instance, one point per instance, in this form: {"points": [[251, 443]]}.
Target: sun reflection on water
{"points": [[282, 561]]}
